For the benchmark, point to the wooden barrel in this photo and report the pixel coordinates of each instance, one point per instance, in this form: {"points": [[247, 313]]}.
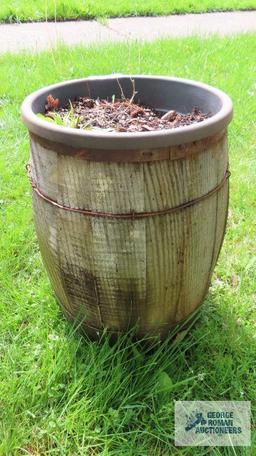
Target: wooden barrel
{"points": [[129, 235]]}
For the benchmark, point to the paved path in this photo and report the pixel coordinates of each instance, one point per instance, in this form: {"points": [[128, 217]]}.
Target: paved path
{"points": [[38, 36]]}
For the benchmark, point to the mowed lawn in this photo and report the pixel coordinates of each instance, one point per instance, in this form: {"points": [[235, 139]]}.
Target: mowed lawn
{"points": [[63, 395], [40, 10]]}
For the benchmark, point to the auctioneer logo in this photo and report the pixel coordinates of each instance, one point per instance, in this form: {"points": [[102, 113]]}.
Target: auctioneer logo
{"points": [[212, 423]]}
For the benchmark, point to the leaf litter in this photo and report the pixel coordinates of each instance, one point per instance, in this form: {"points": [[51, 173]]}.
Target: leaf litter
{"points": [[116, 115]]}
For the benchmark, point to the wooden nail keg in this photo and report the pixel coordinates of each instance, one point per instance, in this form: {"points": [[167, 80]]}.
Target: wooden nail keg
{"points": [[130, 225]]}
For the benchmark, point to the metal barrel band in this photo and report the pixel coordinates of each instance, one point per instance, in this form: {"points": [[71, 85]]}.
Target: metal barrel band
{"points": [[130, 215]]}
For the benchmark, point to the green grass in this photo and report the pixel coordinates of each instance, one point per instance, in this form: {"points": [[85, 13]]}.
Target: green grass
{"points": [[38, 10], [63, 395]]}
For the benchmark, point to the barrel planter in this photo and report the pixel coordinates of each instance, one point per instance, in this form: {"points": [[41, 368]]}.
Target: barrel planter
{"points": [[130, 225]]}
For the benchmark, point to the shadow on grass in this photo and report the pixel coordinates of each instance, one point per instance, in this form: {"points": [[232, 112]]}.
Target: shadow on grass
{"points": [[133, 384]]}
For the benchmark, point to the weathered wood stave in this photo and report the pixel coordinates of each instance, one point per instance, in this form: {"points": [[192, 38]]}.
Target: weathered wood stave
{"points": [[114, 273]]}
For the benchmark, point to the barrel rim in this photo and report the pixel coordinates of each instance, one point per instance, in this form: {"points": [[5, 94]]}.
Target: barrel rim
{"points": [[126, 140]]}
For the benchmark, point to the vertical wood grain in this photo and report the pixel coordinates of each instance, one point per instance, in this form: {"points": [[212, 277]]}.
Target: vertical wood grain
{"points": [[117, 273]]}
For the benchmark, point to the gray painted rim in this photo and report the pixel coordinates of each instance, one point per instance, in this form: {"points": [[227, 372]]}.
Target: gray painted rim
{"points": [[125, 141]]}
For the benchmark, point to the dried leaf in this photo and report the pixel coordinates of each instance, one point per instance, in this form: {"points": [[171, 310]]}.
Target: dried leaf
{"points": [[52, 103], [170, 116]]}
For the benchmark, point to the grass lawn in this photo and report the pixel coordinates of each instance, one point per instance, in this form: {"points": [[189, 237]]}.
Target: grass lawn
{"points": [[38, 10], [63, 395]]}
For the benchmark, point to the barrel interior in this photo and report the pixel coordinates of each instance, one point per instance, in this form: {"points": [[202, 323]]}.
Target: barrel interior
{"points": [[160, 94]]}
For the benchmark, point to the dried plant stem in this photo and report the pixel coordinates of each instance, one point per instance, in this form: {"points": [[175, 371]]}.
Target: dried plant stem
{"points": [[133, 91], [89, 90], [121, 90]]}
